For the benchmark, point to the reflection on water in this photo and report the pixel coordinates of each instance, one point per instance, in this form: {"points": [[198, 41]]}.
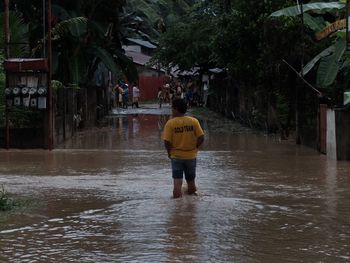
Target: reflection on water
{"points": [[105, 196]]}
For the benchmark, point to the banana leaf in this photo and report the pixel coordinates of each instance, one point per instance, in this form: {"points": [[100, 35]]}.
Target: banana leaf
{"points": [[330, 66], [314, 61], [105, 57], [314, 23], [320, 8]]}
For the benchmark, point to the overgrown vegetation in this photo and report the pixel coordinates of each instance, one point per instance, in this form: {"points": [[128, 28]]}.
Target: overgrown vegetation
{"points": [[260, 52], [6, 202], [12, 205]]}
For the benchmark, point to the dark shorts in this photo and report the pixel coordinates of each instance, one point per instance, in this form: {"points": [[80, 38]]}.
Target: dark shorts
{"points": [[179, 167]]}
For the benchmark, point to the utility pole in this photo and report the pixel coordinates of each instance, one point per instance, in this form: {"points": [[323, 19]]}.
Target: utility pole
{"points": [[297, 110]]}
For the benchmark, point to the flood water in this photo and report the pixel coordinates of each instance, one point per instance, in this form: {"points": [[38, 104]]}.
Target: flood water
{"points": [[105, 196]]}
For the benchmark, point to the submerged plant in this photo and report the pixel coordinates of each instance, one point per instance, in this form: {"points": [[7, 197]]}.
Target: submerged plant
{"points": [[6, 202]]}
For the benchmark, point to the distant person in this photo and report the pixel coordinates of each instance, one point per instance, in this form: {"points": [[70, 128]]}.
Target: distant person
{"points": [[178, 92], [195, 97], [120, 95], [189, 97], [160, 96], [125, 95], [182, 137], [171, 94], [167, 93], [135, 96], [205, 93]]}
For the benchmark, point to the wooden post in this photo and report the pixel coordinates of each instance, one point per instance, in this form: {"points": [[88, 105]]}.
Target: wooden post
{"points": [[7, 55], [297, 112], [7, 29], [50, 106]]}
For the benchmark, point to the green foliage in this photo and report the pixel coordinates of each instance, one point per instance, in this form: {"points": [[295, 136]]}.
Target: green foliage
{"points": [[188, 42], [152, 17], [19, 35], [6, 202], [331, 60], [330, 65], [10, 204], [314, 23], [76, 26], [319, 8], [326, 52], [83, 38]]}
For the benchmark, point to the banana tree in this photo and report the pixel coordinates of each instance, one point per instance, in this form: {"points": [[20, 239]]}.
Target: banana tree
{"points": [[80, 43], [332, 59]]}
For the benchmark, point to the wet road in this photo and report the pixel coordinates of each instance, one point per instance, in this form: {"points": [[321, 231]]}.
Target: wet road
{"points": [[105, 196]]}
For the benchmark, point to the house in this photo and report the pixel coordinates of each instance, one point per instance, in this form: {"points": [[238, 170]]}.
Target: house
{"points": [[150, 77]]}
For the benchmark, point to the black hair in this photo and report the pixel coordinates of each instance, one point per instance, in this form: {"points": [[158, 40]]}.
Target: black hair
{"points": [[180, 105]]}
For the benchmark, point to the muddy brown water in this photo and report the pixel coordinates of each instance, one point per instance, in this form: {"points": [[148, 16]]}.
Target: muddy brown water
{"points": [[105, 196]]}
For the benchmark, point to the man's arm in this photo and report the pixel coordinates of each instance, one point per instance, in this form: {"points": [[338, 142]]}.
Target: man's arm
{"points": [[200, 140], [168, 147]]}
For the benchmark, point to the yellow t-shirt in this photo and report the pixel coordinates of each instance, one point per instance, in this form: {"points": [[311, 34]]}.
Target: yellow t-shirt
{"points": [[183, 132]]}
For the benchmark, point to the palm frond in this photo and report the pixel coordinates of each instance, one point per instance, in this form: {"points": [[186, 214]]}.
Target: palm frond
{"points": [[19, 36], [76, 26]]}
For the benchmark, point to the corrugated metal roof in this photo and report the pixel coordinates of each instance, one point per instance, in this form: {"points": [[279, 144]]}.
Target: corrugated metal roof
{"points": [[216, 70], [139, 58], [143, 43]]}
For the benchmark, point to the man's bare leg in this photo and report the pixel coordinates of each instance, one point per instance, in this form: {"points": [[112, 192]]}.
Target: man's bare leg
{"points": [[191, 187], [177, 192]]}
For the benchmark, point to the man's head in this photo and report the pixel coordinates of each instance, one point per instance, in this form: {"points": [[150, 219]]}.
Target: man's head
{"points": [[180, 106]]}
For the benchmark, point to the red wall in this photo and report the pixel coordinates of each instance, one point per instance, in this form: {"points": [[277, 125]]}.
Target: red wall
{"points": [[149, 87]]}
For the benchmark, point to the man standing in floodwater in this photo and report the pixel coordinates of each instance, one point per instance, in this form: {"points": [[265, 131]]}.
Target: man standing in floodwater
{"points": [[135, 95], [182, 137]]}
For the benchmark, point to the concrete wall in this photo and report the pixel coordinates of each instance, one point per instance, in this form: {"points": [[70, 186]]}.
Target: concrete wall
{"points": [[338, 134], [331, 135]]}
